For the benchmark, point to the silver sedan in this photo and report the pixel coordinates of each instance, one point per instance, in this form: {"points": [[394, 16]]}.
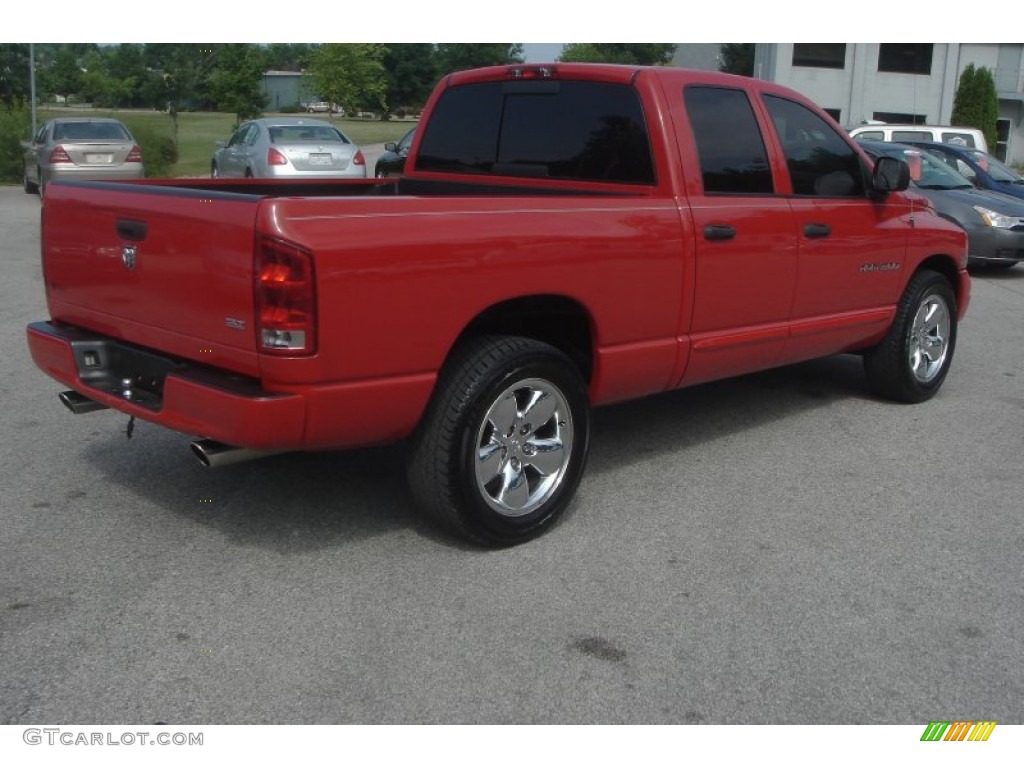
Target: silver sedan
{"points": [[288, 147], [80, 148]]}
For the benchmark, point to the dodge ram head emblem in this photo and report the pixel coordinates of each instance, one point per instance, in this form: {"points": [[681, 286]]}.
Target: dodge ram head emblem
{"points": [[128, 256]]}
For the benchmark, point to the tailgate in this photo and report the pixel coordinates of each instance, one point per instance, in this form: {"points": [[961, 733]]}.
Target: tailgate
{"points": [[170, 269]]}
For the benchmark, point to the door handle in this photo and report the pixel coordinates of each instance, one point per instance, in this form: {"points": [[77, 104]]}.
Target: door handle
{"points": [[719, 232], [127, 229], [817, 230]]}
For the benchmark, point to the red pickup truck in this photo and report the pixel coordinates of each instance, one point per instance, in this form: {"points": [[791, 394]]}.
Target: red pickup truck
{"points": [[564, 236]]}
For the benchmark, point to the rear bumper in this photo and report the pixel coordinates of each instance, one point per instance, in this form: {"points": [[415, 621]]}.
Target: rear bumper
{"points": [[178, 395], [64, 172], [222, 406]]}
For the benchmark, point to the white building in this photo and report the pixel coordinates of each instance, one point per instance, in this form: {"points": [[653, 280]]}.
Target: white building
{"points": [[899, 82]]}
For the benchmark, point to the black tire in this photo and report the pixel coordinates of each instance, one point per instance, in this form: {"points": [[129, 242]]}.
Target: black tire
{"points": [[914, 357], [248, 173], [41, 186], [31, 187], [533, 469]]}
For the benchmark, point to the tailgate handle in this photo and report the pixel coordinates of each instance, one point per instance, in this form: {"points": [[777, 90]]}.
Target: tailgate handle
{"points": [[128, 229]]}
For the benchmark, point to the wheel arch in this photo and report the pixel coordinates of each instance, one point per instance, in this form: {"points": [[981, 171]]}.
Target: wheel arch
{"points": [[946, 266], [558, 320]]}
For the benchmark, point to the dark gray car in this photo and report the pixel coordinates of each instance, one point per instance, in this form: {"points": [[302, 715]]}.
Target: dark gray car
{"points": [[994, 221]]}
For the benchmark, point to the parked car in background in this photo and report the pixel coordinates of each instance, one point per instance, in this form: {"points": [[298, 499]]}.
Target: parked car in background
{"points": [[288, 147], [945, 134], [980, 168], [994, 222], [324, 106], [80, 148], [392, 162]]}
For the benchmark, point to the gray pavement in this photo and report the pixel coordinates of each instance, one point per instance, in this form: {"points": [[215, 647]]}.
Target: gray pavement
{"points": [[780, 548]]}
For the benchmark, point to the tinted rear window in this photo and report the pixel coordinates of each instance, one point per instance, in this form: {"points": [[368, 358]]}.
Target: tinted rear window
{"points": [[288, 134], [90, 132], [548, 129]]}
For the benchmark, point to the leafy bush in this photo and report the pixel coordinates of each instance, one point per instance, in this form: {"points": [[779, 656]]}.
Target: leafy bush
{"points": [[15, 127], [159, 152]]}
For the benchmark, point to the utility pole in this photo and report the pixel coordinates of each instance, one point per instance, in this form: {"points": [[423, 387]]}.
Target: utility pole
{"points": [[32, 82]]}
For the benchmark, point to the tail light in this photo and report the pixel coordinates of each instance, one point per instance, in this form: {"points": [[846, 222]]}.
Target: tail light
{"points": [[59, 155], [135, 156], [359, 159], [276, 157], [285, 298]]}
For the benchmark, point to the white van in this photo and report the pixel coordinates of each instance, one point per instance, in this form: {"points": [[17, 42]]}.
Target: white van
{"points": [[971, 138]]}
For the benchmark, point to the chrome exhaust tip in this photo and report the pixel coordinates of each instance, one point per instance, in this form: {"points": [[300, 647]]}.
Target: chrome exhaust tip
{"points": [[78, 403], [211, 453]]}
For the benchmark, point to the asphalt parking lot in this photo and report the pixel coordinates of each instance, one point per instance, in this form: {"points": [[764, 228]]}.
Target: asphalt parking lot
{"points": [[780, 548]]}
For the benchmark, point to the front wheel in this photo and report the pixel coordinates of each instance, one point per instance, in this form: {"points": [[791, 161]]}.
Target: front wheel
{"points": [[503, 445], [914, 357]]}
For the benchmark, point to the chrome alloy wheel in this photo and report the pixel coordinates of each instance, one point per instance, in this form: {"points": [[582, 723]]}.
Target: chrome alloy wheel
{"points": [[523, 447], [929, 338]]}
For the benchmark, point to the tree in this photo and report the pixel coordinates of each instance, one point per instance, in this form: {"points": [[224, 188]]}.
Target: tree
{"points": [[351, 75], [288, 57], [237, 79], [63, 77], [619, 53], [412, 71], [184, 71], [737, 58], [976, 103], [455, 56], [14, 78]]}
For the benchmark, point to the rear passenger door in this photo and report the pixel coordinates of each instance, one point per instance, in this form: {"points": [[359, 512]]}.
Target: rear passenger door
{"points": [[851, 246], [746, 247]]}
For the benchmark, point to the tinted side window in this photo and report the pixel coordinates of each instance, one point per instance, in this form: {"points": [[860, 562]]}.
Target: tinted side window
{"points": [[551, 129], [729, 143], [959, 139], [899, 136], [462, 132], [820, 163]]}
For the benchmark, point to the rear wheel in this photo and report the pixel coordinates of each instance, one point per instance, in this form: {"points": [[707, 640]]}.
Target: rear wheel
{"points": [[914, 357], [503, 445], [30, 186], [248, 173]]}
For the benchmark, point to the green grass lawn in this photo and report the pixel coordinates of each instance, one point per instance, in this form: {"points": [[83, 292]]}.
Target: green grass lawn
{"points": [[198, 131]]}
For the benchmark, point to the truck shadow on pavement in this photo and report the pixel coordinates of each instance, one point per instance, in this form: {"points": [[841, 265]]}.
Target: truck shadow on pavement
{"points": [[304, 502]]}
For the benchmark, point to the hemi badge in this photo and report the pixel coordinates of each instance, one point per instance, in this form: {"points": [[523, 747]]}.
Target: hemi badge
{"points": [[233, 322]]}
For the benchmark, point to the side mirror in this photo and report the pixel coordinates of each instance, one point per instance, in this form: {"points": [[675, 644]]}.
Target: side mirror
{"points": [[890, 175], [391, 147]]}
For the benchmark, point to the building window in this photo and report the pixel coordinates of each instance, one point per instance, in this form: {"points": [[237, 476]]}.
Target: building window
{"points": [[909, 58], [823, 55], [834, 114], [903, 118]]}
